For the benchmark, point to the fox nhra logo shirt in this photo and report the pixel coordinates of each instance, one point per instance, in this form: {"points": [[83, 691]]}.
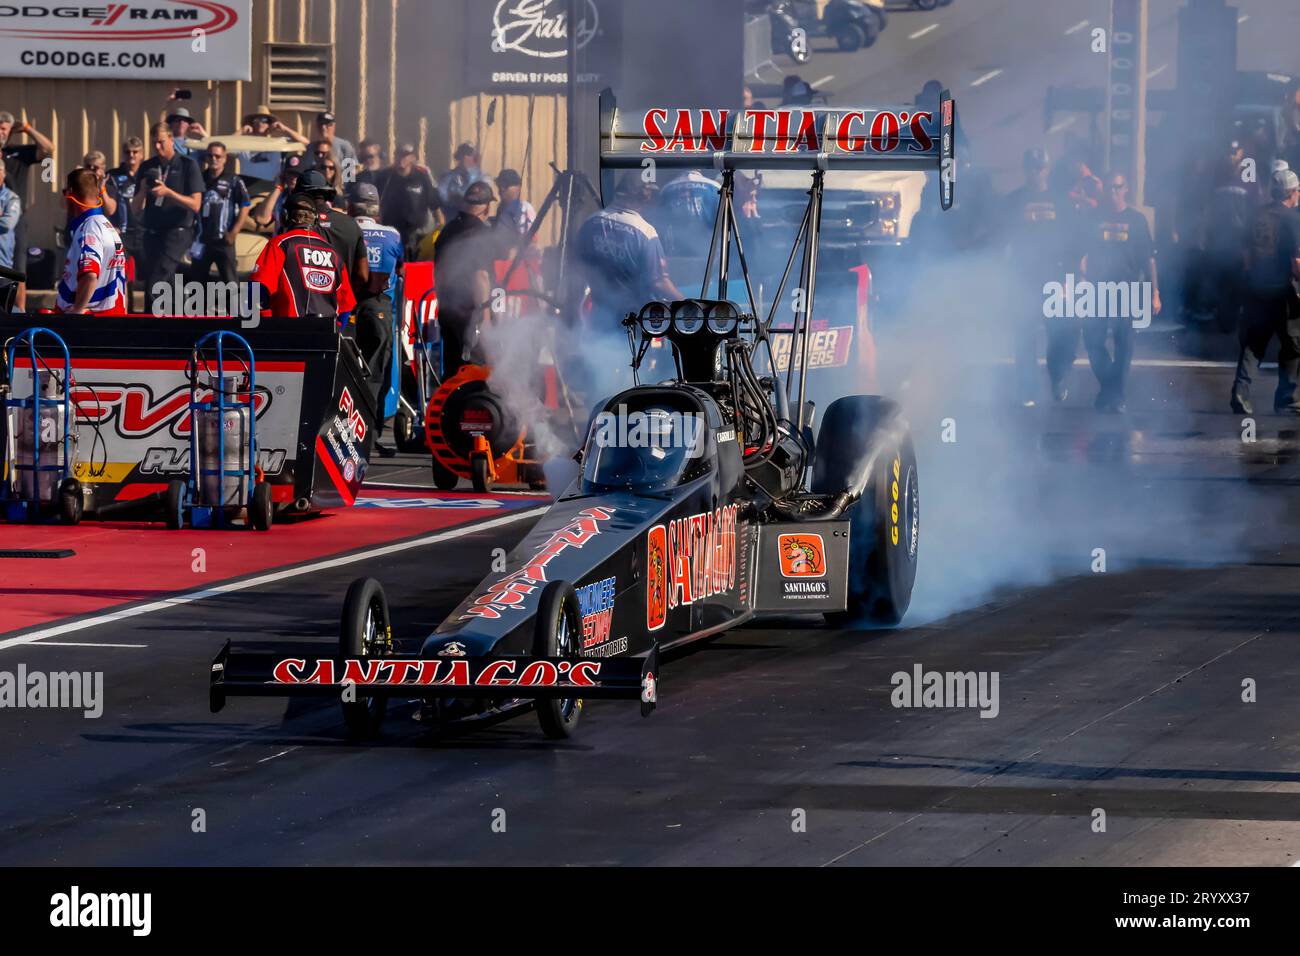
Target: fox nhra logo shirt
{"points": [[302, 275], [95, 249]]}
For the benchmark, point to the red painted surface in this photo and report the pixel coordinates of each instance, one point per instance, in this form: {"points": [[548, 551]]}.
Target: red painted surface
{"points": [[118, 562]]}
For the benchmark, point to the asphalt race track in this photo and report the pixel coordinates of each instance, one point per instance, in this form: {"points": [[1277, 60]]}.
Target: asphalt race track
{"points": [[1119, 691]]}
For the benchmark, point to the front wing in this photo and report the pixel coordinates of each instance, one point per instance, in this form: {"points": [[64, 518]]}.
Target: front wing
{"points": [[276, 670]]}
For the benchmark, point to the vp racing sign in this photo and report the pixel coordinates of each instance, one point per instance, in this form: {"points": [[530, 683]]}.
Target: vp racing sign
{"points": [[132, 40]]}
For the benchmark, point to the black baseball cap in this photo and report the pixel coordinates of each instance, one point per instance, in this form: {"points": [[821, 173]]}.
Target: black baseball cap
{"points": [[313, 183], [301, 201], [479, 194], [365, 193], [324, 119]]}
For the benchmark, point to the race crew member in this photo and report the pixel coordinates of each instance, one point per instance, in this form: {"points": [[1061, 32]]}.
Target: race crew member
{"points": [[463, 268], [685, 213], [1117, 248], [221, 217], [1036, 244], [168, 195], [620, 256], [301, 273], [94, 272], [338, 228], [374, 315], [1270, 305]]}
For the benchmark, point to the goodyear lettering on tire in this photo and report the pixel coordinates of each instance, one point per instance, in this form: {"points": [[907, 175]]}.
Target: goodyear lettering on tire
{"points": [[893, 502]]}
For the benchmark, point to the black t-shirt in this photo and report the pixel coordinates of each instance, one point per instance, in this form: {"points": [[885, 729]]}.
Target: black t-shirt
{"points": [[19, 159], [465, 246], [1118, 246], [1272, 243], [405, 202], [181, 175], [124, 182], [223, 197], [1038, 226], [343, 233]]}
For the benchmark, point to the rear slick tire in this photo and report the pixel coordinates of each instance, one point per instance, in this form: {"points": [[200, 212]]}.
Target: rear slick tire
{"points": [[884, 541]]}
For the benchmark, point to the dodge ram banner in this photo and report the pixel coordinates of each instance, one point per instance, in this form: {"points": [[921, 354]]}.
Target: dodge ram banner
{"points": [[136, 40]]}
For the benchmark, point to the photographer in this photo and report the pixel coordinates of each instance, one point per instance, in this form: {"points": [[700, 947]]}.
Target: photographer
{"points": [[168, 196]]}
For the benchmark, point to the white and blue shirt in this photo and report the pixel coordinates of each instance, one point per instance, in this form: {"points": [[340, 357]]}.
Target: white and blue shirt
{"points": [[384, 251], [623, 259], [95, 247]]}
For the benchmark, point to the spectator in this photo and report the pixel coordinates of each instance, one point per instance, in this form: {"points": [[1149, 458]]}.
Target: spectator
{"points": [[408, 198], [123, 177], [183, 126], [169, 194], [370, 160], [1118, 248], [454, 182], [261, 165], [322, 157], [1289, 146], [463, 261], [1271, 307], [513, 213], [18, 159], [222, 217], [344, 152], [270, 211], [98, 162], [11, 211]]}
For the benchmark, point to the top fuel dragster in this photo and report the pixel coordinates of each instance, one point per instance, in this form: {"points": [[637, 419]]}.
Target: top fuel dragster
{"points": [[701, 502]]}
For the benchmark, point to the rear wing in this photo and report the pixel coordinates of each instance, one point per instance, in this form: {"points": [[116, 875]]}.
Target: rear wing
{"points": [[792, 137]]}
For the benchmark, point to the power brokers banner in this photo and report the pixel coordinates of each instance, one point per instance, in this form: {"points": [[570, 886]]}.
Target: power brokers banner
{"points": [[135, 40]]}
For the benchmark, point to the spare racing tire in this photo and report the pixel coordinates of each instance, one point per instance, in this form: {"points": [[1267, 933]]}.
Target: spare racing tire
{"points": [[365, 630], [558, 634]]}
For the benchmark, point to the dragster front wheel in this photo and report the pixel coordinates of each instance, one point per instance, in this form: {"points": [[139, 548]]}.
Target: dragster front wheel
{"points": [[559, 634], [365, 631]]}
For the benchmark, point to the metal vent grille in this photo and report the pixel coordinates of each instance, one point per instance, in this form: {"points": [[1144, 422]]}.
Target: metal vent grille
{"points": [[298, 75]]}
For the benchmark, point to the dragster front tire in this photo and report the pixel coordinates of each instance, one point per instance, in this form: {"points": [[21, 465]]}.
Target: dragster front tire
{"points": [[365, 630], [559, 634]]}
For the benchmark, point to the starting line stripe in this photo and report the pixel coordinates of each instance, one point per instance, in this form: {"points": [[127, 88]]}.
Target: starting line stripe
{"points": [[190, 597]]}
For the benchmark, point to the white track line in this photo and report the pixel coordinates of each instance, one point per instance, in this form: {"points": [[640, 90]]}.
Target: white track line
{"points": [[1063, 124], [816, 84], [85, 644], [986, 77], [1157, 71], [923, 31], [189, 598], [1077, 27]]}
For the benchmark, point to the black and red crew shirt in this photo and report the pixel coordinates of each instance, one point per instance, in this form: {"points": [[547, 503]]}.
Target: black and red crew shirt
{"points": [[302, 275]]}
